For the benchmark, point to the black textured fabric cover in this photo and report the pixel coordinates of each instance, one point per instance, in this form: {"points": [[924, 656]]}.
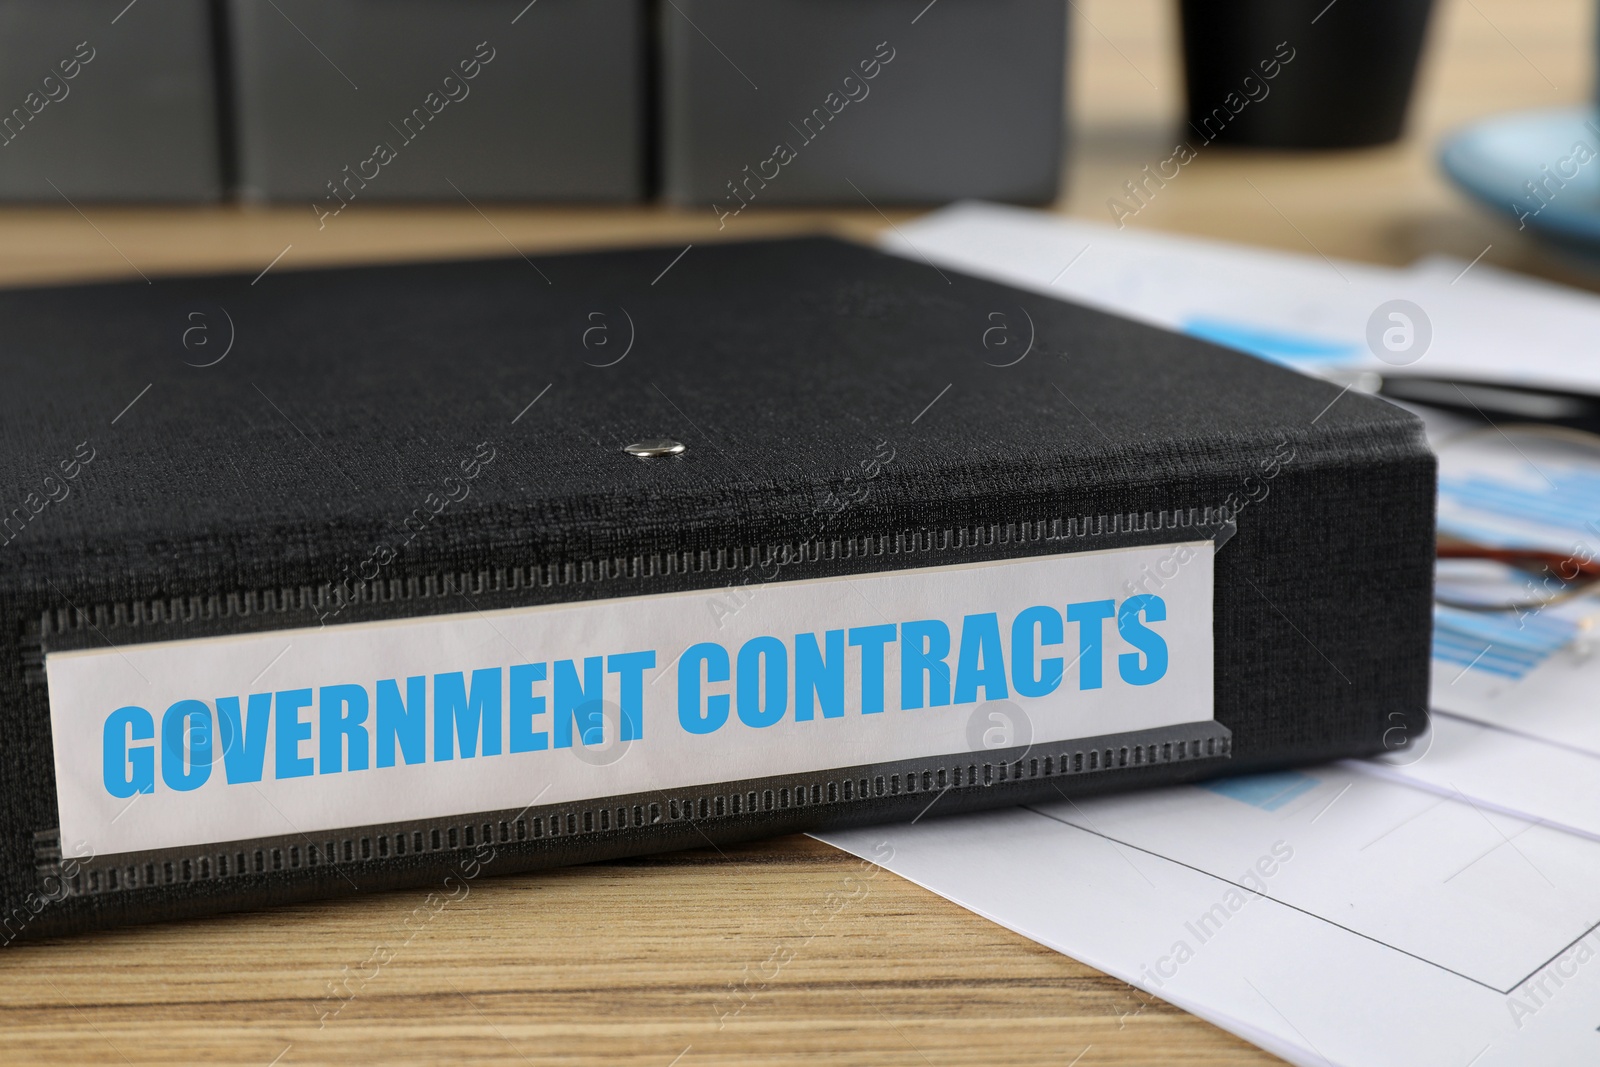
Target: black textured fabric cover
{"points": [[252, 493]]}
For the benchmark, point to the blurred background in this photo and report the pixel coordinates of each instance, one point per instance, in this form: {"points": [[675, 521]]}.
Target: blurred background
{"points": [[590, 122]]}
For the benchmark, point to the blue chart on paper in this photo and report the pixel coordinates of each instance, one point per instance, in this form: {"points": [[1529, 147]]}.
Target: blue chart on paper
{"points": [[1279, 346], [1269, 792], [1508, 500], [1532, 514], [1502, 643]]}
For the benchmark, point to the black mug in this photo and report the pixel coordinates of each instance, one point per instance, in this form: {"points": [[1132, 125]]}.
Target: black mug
{"points": [[1300, 73]]}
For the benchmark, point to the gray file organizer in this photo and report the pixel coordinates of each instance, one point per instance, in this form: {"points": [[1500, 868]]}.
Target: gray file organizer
{"points": [[436, 99], [103, 100], [806, 101]]}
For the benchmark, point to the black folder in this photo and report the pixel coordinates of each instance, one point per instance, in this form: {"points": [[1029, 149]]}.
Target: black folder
{"points": [[340, 580]]}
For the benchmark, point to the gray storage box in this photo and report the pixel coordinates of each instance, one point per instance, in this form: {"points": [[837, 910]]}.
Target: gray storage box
{"points": [[398, 99], [103, 100], [805, 101]]}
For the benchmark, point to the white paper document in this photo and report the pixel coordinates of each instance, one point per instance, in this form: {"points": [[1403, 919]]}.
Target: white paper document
{"points": [[1304, 310], [1515, 723], [1501, 770], [1439, 907], [1328, 915]]}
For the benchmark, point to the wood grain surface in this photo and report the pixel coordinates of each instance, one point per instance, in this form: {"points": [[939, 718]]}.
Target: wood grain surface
{"points": [[784, 952]]}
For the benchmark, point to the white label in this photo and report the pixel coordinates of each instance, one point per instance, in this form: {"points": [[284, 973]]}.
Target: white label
{"points": [[208, 740]]}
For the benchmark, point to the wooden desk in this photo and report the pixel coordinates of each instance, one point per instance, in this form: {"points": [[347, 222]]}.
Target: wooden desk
{"points": [[632, 963]]}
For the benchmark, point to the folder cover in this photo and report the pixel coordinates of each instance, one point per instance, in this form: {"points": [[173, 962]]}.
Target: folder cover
{"points": [[340, 580]]}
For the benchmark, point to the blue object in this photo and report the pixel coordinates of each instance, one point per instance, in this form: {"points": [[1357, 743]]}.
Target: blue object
{"points": [[1279, 346], [1269, 792], [1506, 644], [1541, 168]]}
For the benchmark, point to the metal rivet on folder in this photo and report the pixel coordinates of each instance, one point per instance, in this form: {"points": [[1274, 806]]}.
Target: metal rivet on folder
{"points": [[655, 448]]}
